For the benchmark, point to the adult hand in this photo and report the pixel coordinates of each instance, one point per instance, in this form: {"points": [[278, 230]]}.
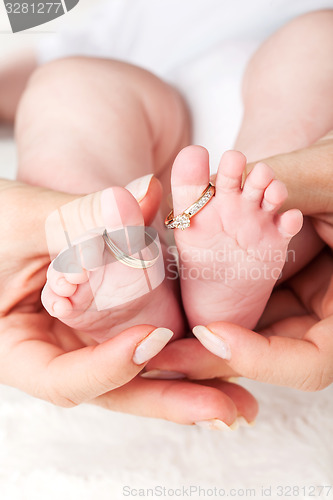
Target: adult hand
{"points": [[293, 345], [47, 359]]}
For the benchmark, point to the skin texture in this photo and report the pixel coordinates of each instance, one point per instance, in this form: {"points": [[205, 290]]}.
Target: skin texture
{"points": [[292, 344], [47, 359], [110, 297], [141, 124], [34, 335], [234, 251]]}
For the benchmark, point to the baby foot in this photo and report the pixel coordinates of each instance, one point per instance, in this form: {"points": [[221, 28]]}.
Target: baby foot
{"points": [[92, 292], [235, 248]]}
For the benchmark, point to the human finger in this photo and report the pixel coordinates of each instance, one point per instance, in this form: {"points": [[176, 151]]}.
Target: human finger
{"points": [[209, 404], [70, 378], [301, 363], [187, 358]]}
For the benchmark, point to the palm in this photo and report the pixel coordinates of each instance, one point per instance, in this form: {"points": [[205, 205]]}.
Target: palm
{"points": [[28, 334], [48, 359], [298, 309]]}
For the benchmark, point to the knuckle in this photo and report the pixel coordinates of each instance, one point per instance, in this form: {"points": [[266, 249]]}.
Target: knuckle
{"points": [[104, 384], [59, 398], [316, 381]]}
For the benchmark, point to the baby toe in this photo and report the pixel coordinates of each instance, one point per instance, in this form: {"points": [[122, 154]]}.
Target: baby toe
{"points": [[274, 196], [189, 177], [120, 208], [58, 283], [290, 223], [230, 172], [76, 278], [123, 221], [55, 305], [257, 182]]}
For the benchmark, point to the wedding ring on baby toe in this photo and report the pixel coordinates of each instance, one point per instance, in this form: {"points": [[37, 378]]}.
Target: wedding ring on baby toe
{"points": [[182, 221], [126, 259]]}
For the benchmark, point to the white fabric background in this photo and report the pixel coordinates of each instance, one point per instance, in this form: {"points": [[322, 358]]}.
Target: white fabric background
{"points": [[201, 46]]}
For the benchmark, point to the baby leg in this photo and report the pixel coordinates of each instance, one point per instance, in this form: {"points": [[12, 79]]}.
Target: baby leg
{"points": [[287, 93], [82, 126], [231, 244], [14, 76], [233, 252], [287, 89]]}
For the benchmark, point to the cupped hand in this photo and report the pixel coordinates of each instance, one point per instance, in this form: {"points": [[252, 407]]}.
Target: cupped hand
{"points": [[292, 347], [51, 361]]}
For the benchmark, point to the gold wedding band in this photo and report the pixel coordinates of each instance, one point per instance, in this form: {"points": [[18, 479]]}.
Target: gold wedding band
{"points": [[182, 221]]}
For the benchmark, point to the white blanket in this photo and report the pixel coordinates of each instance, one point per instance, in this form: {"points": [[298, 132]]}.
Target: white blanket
{"points": [[201, 46]]}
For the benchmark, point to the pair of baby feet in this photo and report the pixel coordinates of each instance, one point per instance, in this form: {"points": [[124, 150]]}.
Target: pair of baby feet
{"points": [[229, 258]]}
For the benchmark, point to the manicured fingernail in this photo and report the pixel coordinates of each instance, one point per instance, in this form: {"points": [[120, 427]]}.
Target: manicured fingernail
{"points": [[214, 425], [151, 345], [234, 426], [242, 422], [212, 342], [163, 374], [139, 187]]}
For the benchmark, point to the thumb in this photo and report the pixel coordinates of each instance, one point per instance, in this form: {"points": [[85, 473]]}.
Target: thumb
{"points": [[276, 360], [91, 213], [59, 216], [148, 192]]}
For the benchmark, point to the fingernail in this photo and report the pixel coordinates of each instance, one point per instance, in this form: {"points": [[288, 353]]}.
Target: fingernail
{"points": [[57, 307], [139, 187], [242, 422], [151, 345], [232, 380], [62, 282], [235, 425], [212, 342], [163, 374], [214, 425]]}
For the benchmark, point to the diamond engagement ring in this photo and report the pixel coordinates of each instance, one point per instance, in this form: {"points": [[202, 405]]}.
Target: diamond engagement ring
{"points": [[126, 259], [182, 221]]}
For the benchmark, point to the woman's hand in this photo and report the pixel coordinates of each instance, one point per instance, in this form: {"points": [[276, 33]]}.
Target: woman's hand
{"points": [[47, 359], [293, 346], [294, 343]]}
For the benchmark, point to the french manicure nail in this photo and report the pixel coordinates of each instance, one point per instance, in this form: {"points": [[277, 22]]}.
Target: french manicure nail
{"points": [[139, 187], [214, 424], [212, 342], [244, 423], [163, 374], [151, 345], [235, 425]]}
